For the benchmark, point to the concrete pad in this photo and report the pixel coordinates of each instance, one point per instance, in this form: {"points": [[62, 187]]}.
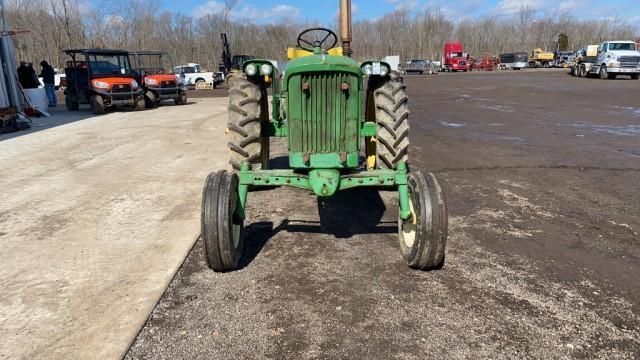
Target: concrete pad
{"points": [[95, 218]]}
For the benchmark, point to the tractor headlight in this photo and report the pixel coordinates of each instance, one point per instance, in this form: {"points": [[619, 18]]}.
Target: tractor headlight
{"points": [[367, 69], [134, 84], [100, 84], [151, 82], [251, 69], [266, 69], [384, 70]]}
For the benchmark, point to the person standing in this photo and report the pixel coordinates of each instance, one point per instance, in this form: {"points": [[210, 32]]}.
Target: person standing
{"points": [[48, 76], [23, 75], [35, 83]]}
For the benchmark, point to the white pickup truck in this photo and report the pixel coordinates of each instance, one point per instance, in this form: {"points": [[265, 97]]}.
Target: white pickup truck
{"points": [[617, 58], [193, 74]]}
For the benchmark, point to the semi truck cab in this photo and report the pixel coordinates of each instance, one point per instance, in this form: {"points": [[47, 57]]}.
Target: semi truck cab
{"points": [[618, 58], [455, 59]]}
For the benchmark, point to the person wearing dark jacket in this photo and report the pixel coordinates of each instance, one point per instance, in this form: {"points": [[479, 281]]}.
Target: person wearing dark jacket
{"points": [[48, 76], [25, 77]]}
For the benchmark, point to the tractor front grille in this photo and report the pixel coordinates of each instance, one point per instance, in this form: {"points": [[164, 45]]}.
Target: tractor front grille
{"points": [[323, 117], [629, 61]]}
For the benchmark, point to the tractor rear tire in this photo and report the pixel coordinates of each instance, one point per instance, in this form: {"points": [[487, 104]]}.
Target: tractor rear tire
{"points": [[248, 110], [97, 104], [221, 229], [423, 237], [392, 117], [228, 80]]}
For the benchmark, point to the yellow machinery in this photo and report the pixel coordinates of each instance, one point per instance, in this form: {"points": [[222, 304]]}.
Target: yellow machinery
{"points": [[541, 58], [294, 53]]}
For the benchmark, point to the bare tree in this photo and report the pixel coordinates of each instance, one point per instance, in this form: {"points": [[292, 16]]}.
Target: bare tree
{"points": [[56, 25]]}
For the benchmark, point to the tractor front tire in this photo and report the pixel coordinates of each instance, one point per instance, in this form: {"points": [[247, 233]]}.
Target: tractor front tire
{"points": [[392, 117], [97, 104], [248, 109], [423, 237], [221, 229]]}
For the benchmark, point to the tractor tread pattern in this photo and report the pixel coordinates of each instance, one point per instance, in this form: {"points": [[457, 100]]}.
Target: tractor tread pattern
{"points": [[392, 116], [244, 122]]}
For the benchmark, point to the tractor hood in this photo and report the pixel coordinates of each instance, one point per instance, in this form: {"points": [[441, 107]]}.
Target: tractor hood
{"points": [[322, 63]]}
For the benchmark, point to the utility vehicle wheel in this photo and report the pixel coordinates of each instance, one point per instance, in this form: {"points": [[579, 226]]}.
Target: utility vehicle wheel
{"points": [[70, 104], [635, 76], [248, 109], [97, 104], [423, 237], [392, 116], [221, 230], [182, 100], [150, 100], [200, 83], [140, 104]]}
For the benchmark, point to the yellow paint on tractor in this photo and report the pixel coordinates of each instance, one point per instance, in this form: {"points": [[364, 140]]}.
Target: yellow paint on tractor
{"points": [[294, 53]]}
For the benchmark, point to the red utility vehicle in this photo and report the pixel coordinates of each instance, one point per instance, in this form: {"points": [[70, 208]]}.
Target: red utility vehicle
{"points": [[454, 58], [101, 78], [150, 70]]}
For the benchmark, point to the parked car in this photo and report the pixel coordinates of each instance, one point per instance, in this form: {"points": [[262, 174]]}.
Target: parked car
{"points": [[420, 66]]}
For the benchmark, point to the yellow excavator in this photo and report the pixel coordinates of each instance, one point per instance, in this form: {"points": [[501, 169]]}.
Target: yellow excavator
{"points": [[541, 58]]}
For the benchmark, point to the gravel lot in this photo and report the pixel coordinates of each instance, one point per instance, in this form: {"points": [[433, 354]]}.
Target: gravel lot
{"points": [[541, 171]]}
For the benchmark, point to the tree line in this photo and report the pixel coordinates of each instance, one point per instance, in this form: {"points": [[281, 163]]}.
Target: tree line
{"points": [[55, 25]]}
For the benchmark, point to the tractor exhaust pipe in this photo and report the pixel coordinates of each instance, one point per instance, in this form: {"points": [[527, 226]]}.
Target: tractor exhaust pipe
{"points": [[345, 26]]}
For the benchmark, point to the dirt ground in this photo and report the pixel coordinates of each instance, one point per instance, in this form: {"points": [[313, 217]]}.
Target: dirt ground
{"points": [[97, 213], [543, 260]]}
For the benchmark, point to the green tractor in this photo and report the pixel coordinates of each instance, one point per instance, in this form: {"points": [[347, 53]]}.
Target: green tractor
{"points": [[318, 107]]}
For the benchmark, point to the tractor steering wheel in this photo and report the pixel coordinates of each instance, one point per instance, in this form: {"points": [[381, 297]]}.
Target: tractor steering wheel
{"points": [[311, 45]]}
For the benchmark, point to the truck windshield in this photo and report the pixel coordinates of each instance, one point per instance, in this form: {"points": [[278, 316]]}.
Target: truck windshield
{"points": [[109, 65], [622, 46]]}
